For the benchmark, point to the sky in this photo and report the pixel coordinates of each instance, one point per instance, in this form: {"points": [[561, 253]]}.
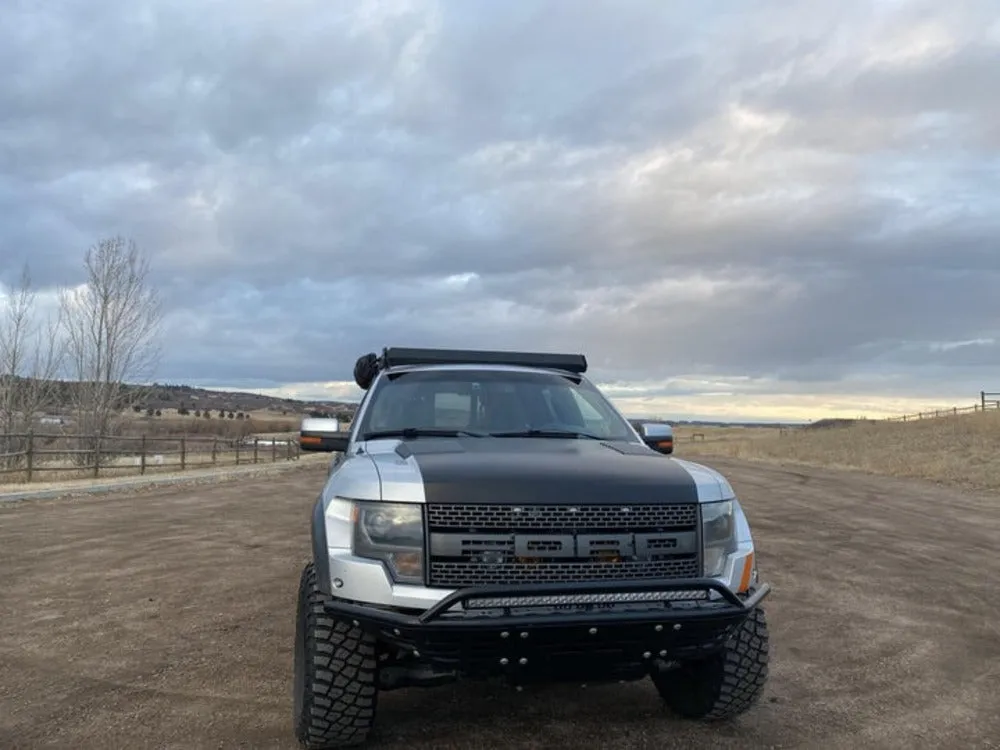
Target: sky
{"points": [[736, 210]]}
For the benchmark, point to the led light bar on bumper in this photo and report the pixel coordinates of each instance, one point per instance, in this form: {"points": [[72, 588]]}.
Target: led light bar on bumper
{"points": [[394, 534], [718, 524], [558, 600]]}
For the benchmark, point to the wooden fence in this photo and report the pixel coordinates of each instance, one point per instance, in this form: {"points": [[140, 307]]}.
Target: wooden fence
{"points": [[33, 457], [986, 401]]}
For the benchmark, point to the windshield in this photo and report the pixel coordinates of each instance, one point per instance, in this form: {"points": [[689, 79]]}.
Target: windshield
{"points": [[491, 402]]}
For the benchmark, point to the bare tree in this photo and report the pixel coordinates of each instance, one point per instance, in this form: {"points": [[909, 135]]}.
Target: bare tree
{"points": [[112, 325], [31, 353]]}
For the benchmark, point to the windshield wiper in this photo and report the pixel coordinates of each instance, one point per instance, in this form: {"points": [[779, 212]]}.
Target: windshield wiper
{"points": [[415, 432], [548, 434]]}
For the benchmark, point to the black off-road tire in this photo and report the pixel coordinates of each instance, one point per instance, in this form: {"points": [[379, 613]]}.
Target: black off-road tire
{"points": [[726, 684], [334, 689]]}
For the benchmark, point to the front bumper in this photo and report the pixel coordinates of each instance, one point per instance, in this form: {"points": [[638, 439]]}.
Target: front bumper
{"points": [[557, 632]]}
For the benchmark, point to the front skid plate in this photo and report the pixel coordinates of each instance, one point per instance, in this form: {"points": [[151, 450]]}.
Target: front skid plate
{"points": [[526, 653]]}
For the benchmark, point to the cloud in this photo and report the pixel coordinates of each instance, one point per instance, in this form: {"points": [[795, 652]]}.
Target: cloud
{"points": [[788, 193]]}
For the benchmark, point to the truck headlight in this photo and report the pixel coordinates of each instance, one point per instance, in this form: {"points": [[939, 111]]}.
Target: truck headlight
{"points": [[718, 533], [394, 534]]}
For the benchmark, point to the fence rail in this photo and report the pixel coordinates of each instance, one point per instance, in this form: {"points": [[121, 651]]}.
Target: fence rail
{"points": [[30, 457], [987, 401]]}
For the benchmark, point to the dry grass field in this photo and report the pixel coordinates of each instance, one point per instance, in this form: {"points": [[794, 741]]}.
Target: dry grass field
{"points": [[170, 469], [170, 422], [53, 458], [164, 617], [962, 451], [170, 442]]}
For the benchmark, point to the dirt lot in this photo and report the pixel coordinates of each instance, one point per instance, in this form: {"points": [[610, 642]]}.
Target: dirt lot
{"points": [[164, 618]]}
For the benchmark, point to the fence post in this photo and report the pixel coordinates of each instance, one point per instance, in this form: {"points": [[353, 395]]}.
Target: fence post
{"points": [[274, 450], [30, 453], [215, 450], [142, 455], [255, 450], [183, 454], [238, 441], [982, 399]]}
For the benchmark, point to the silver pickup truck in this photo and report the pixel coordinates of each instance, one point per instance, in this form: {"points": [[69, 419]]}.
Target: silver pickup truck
{"points": [[491, 515]]}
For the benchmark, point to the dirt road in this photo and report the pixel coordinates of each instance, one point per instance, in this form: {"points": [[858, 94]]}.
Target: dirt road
{"points": [[164, 619]]}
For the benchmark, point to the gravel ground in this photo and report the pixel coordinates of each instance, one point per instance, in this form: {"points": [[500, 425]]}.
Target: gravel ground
{"points": [[164, 618]]}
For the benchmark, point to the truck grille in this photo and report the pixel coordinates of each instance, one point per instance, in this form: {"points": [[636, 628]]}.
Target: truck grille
{"points": [[561, 518], [476, 545]]}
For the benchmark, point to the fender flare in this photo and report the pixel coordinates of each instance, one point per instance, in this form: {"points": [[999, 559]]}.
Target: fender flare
{"points": [[320, 550]]}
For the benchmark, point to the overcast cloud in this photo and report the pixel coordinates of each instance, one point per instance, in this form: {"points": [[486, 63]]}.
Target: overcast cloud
{"points": [[735, 209]]}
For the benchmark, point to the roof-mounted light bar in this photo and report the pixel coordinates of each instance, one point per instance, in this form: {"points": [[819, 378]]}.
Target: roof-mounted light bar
{"points": [[400, 356]]}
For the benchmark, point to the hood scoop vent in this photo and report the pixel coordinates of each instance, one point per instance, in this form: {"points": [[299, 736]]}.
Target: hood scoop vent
{"points": [[427, 446]]}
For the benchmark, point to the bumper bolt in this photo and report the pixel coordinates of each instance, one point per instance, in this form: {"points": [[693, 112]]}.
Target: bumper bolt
{"points": [[663, 653], [659, 628], [524, 634], [677, 626], [504, 662], [519, 688], [416, 653], [338, 583], [395, 631], [593, 631], [522, 661], [505, 634], [646, 655]]}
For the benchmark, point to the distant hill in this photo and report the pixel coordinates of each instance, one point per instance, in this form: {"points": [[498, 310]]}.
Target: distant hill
{"points": [[825, 424], [713, 423], [178, 398], [166, 396]]}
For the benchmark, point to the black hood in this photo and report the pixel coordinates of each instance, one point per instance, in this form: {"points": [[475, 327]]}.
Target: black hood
{"points": [[546, 471]]}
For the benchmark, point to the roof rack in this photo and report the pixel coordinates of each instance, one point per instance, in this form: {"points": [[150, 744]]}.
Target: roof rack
{"points": [[369, 365], [399, 356]]}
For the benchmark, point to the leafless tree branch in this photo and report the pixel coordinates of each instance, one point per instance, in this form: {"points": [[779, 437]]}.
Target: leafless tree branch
{"points": [[111, 325], [31, 354]]}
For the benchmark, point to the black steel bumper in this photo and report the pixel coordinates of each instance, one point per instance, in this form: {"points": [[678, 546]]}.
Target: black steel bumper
{"points": [[543, 631]]}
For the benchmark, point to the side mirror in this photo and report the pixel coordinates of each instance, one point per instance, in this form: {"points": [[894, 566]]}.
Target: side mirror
{"points": [[324, 435], [659, 437]]}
